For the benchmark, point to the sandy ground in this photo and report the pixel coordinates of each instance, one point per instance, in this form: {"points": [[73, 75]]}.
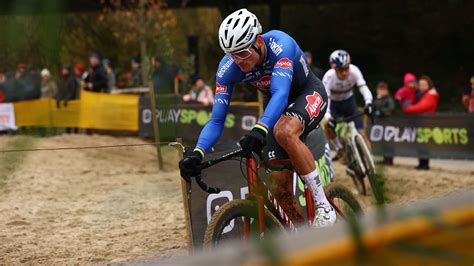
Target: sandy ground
{"points": [[112, 205], [88, 206]]}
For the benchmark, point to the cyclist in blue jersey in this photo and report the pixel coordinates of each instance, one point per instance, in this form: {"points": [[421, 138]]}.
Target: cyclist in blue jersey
{"points": [[295, 102]]}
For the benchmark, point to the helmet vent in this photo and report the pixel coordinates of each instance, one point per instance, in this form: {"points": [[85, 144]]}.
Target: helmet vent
{"points": [[243, 35], [246, 20], [236, 23]]}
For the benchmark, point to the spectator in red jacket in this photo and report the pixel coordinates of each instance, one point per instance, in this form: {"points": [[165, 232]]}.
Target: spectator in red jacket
{"points": [[426, 98], [426, 101], [468, 97], [406, 94]]}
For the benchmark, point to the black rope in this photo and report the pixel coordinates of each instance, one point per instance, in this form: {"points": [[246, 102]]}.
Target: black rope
{"points": [[83, 148]]}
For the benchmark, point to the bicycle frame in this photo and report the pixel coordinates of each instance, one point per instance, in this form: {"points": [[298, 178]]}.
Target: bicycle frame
{"points": [[351, 133], [256, 191], [259, 192]]}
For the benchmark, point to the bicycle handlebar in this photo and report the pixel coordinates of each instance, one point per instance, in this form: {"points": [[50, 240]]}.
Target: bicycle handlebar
{"points": [[351, 117], [210, 163], [205, 187], [225, 157]]}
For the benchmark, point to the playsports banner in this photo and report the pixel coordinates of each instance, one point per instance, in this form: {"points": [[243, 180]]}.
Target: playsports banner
{"points": [[437, 135], [186, 120]]}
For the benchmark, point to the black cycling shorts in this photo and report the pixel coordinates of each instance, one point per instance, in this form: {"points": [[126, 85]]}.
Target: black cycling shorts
{"points": [[308, 105], [347, 108]]}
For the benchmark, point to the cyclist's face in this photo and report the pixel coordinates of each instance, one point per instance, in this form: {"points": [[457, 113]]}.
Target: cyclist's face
{"points": [[247, 59], [248, 63], [342, 73]]}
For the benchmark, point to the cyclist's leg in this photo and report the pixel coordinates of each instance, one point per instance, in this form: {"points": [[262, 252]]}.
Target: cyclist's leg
{"points": [[302, 116], [332, 136]]}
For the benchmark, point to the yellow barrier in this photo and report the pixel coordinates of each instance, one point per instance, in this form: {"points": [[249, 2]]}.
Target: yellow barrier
{"points": [[93, 110]]}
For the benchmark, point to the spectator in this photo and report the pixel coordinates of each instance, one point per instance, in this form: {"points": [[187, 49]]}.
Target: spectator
{"points": [[426, 97], [136, 80], [48, 86], [163, 76], [68, 87], [15, 84], [200, 92], [384, 105], [3, 80], [97, 80], [426, 101], [316, 70], [468, 97], [32, 84], [110, 75], [81, 75], [406, 94]]}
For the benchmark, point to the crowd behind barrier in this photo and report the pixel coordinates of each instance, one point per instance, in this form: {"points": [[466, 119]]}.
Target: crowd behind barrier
{"points": [[69, 101], [432, 135]]}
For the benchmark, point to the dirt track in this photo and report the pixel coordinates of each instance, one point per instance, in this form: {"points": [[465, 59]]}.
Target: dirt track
{"points": [[109, 205]]}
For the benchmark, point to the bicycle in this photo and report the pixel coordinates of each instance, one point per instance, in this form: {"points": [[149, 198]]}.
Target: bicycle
{"points": [[359, 160], [260, 213]]}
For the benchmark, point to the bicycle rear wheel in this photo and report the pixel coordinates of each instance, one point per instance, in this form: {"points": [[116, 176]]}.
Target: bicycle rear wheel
{"points": [[342, 199], [227, 223]]}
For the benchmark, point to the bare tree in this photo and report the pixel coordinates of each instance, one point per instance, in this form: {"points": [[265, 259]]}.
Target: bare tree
{"points": [[142, 21]]}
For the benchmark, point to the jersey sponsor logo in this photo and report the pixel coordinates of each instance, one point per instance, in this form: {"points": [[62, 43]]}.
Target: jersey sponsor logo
{"points": [[284, 63], [305, 66], [275, 47], [220, 88], [313, 104], [224, 67], [263, 82]]}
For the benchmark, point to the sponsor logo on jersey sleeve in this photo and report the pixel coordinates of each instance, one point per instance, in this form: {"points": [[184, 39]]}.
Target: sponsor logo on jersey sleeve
{"points": [[284, 63], [224, 67], [276, 48], [220, 88], [313, 104], [221, 101]]}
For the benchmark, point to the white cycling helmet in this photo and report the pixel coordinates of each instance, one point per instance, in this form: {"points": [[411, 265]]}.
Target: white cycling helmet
{"points": [[340, 58], [238, 31]]}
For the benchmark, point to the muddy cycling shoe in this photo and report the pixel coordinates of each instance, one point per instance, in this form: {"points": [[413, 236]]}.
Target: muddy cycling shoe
{"points": [[324, 215]]}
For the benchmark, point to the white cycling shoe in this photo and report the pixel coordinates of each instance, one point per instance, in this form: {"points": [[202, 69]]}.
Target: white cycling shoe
{"points": [[324, 215]]}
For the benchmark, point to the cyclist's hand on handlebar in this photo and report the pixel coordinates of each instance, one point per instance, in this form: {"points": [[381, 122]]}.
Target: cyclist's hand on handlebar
{"points": [[252, 142], [368, 109], [190, 166]]}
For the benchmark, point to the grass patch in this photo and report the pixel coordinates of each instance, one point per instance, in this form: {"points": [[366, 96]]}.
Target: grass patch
{"points": [[10, 161]]}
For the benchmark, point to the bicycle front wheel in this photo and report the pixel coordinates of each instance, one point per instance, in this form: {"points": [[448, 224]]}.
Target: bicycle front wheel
{"points": [[227, 223], [368, 162], [342, 200]]}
